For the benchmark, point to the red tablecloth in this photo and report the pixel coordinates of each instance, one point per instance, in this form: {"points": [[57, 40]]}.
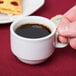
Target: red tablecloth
{"points": [[61, 63]]}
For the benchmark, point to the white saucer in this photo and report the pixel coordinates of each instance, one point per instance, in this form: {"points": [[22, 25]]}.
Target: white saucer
{"points": [[29, 7]]}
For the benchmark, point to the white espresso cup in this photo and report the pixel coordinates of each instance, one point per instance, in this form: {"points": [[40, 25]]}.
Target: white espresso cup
{"points": [[34, 51]]}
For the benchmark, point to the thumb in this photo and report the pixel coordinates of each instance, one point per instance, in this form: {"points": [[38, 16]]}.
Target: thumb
{"points": [[67, 29]]}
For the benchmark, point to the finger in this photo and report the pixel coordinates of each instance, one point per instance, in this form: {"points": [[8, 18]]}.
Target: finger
{"points": [[63, 39], [73, 43], [68, 30], [72, 29], [71, 14], [63, 28]]}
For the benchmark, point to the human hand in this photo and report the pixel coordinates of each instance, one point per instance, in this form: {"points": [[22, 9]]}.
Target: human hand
{"points": [[67, 28]]}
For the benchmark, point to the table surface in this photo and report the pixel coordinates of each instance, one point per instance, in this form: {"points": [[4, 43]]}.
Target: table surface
{"points": [[61, 63]]}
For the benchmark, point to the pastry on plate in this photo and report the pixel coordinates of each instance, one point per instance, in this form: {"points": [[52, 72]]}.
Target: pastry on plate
{"points": [[11, 6]]}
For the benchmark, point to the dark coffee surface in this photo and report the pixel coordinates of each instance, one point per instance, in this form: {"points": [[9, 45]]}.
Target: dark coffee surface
{"points": [[32, 31]]}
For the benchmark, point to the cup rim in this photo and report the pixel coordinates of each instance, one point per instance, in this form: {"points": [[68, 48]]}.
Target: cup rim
{"points": [[30, 39]]}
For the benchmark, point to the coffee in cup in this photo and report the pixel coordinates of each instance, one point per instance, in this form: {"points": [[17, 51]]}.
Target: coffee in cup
{"points": [[33, 30]]}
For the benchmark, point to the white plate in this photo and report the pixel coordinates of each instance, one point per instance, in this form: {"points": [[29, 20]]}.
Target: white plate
{"points": [[29, 7]]}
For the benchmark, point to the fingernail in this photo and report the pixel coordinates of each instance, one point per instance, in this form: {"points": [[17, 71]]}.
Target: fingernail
{"points": [[61, 30]]}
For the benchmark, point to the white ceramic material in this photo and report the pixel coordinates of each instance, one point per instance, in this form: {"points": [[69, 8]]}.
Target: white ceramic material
{"points": [[33, 51], [29, 7]]}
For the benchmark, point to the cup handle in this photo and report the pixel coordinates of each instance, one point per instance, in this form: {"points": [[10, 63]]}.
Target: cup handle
{"points": [[58, 44]]}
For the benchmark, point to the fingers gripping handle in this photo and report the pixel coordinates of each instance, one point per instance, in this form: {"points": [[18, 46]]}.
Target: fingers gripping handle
{"points": [[58, 44]]}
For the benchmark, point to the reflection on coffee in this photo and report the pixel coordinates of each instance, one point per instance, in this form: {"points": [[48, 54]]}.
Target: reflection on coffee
{"points": [[33, 30]]}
